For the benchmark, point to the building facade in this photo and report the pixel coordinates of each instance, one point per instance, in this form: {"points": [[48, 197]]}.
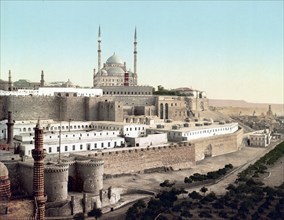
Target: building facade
{"points": [[114, 71]]}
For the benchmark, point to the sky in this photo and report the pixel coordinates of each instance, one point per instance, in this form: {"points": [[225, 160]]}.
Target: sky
{"points": [[230, 49]]}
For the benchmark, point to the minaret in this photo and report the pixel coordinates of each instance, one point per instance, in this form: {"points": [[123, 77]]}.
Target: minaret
{"points": [[42, 79], [99, 51], [135, 52], [10, 81], [38, 154], [10, 129]]}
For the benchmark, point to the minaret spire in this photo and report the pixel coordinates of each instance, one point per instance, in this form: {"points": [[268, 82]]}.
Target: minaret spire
{"points": [[38, 154], [10, 81], [42, 79], [135, 51], [99, 51]]}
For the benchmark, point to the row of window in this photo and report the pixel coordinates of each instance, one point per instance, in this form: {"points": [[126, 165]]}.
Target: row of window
{"points": [[86, 135], [130, 129], [88, 146], [78, 94], [202, 132], [125, 93], [58, 127]]}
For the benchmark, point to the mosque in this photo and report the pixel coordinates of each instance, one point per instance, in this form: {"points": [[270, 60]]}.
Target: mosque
{"points": [[114, 72]]}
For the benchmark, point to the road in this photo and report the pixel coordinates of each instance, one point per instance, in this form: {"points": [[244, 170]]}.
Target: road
{"points": [[241, 159]]}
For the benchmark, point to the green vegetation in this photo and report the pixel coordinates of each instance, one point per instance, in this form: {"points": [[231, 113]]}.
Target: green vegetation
{"points": [[167, 183], [260, 166], [210, 175], [95, 213], [247, 198], [163, 91]]}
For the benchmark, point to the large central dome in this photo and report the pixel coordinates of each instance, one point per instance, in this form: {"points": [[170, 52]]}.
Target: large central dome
{"points": [[114, 59]]}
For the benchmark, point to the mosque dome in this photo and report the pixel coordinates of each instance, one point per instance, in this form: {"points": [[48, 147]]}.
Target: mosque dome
{"points": [[3, 170], [114, 59], [115, 71]]}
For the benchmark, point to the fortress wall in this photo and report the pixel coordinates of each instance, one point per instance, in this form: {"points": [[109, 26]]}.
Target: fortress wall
{"points": [[83, 108], [14, 176], [31, 107], [26, 174], [130, 160], [72, 108], [4, 103], [132, 100], [218, 145]]}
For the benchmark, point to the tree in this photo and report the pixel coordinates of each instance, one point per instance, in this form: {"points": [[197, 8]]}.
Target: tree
{"points": [[95, 213], [204, 190], [194, 195], [187, 180], [166, 183], [79, 216]]}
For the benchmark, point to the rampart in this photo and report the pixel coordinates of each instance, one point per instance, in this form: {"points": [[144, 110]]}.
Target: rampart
{"points": [[217, 145], [132, 160]]}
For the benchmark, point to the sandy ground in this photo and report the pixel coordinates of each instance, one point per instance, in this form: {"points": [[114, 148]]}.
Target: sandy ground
{"points": [[151, 181], [240, 160], [276, 174]]}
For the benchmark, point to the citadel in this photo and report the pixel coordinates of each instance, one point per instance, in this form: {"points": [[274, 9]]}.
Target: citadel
{"points": [[59, 143]]}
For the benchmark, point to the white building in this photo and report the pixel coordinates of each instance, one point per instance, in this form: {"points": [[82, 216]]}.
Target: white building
{"points": [[260, 138], [54, 91], [71, 141], [127, 130], [191, 131]]}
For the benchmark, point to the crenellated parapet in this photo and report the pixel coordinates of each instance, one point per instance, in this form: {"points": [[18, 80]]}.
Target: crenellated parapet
{"points": [[90, 175], [56, 179], [90, 163], [56, 168]]}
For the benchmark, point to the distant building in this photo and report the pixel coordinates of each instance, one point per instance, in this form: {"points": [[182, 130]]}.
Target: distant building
{"points": [[193, 130], [114, 72], [54, 91], [269, 112], [260, 138]]}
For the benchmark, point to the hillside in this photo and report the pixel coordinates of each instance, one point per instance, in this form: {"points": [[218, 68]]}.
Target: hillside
{"points": [[237, 106]]}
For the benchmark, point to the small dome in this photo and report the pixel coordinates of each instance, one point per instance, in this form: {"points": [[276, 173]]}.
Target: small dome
{"points": [[115, 71], [3, 170], [202, 95], [114, 59], [104, 72]]}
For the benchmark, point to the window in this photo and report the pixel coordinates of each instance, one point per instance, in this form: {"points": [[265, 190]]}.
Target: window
{"points": [[66, 148], [58, 149], [95, 145], [88, 146], [49, 149], [81, 146], [108, 144], [73, 147]]}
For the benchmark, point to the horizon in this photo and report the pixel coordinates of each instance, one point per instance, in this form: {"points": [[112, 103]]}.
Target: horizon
{"points": [[231, 50]]}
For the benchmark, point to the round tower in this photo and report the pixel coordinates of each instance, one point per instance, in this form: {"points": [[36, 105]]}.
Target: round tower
{"points": [[90, 172], [56, 182], [5, 192]]}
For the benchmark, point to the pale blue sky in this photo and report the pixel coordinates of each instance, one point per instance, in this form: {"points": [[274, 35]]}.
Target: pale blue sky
{"points": [[230, 49]]}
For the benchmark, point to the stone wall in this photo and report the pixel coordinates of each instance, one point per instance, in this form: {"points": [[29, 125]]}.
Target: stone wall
{"points": [[87, 108], [217, 145], [131, 160]]}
